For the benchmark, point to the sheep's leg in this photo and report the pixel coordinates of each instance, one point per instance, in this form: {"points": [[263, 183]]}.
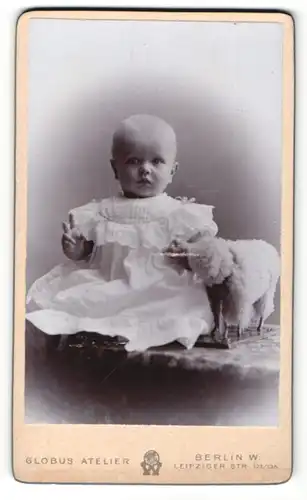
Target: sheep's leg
{"points": [[216, 304], [239, 331], [225, 339], [213, 333], [217, 310], [222, 326], [244, 319], [265, 306], [215, 327], [260, 325]]}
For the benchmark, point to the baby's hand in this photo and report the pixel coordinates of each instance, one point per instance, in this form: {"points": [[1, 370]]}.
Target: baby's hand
{"points": [[73, 242], [177, 252], [175, 249]]}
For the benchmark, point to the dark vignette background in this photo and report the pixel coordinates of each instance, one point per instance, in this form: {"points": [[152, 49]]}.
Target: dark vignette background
{"points": [[219, 85]]}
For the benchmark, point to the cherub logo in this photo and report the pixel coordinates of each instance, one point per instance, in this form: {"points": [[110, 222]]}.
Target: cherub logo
{"points": [[151, 463]]}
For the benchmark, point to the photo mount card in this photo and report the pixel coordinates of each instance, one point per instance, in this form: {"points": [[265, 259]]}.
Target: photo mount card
{"points": [[93, 405]]}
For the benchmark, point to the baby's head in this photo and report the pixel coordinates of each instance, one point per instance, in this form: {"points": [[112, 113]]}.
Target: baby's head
{"points": [[144, 155]]}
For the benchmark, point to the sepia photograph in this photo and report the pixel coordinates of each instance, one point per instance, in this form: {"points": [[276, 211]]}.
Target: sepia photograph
{"points": [[154, 196]]}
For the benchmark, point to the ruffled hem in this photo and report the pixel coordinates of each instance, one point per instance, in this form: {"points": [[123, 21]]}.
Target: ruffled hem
{"points": [[158, 332]]}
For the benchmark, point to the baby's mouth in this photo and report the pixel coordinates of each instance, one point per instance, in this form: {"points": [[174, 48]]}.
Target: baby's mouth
{"points": [[144, 182]]}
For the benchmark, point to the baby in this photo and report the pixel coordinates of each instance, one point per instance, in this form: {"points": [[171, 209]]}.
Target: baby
{"points": [[117, 280]]}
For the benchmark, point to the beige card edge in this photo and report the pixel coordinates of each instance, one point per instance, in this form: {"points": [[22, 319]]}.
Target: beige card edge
{"points": [[272, 444]]}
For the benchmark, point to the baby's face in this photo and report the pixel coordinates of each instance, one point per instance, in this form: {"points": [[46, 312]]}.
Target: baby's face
{"points": [[145, 164]]}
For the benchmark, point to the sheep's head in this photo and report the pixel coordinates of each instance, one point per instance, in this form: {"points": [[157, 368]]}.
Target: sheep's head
{"points": [[211, 259]]}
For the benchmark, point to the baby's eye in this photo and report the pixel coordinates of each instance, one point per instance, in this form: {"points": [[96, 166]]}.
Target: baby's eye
{"points": [[133, 161], [157, 161]]}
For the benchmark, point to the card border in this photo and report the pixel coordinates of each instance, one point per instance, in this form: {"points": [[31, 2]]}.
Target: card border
{"points": [[56, 438]]}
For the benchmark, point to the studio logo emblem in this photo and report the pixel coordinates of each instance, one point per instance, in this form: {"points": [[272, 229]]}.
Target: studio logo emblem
{"points": [[151, 463]]}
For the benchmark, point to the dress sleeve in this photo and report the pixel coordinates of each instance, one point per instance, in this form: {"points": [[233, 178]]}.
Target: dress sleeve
{"points": [[204, 213], [195, 218], [86, 218]]}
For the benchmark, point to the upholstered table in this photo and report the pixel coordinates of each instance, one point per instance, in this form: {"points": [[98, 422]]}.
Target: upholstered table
{"points": [[90, 381]]}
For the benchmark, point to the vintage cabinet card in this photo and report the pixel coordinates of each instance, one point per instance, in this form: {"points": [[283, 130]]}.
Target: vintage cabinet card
{"points": [[153, 257]]}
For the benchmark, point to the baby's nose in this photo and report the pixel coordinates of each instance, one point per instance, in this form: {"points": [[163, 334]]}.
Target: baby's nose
{"points": [[145, 168]]}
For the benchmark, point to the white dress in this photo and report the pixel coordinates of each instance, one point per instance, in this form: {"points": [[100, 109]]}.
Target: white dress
{"points": [[128, 287]]}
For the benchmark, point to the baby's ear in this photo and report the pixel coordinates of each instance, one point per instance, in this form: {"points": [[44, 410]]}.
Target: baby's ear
{"points": [[113, 165], [175, 168]]}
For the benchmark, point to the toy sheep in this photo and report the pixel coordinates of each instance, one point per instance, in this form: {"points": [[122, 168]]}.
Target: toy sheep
{"points": [[240, 276]]}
